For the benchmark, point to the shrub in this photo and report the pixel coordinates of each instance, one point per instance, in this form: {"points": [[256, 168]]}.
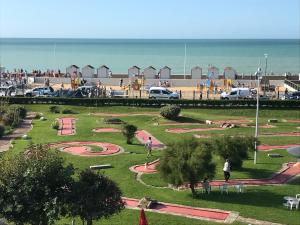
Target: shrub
{"points": [[9, 117], [170, 112], [2, 130], [128, 131], [112, 120], [55, 125], [67, 111], [54, 109], [19, 109], [38, 116], [235, 149]]}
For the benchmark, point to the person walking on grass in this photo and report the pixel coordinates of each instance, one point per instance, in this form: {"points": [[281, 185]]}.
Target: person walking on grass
{"points": [[226, 170], [148, 146]]}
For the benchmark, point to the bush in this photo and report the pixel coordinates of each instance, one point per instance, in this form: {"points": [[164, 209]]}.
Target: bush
{"points": [[128, 131], [2, 130], [19, 109], [235, 149], [54, 109], [112, 120], [170, 112], [55, 125], [38, 116], [9, 117], [67, 111]]}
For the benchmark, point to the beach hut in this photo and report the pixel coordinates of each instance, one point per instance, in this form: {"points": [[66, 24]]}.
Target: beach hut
{"points": [[196, 72], [149, 72], [165, 72], [103, 71], [133, 71], [88, 71], [229, 73], [213, 72], [71, 70]]}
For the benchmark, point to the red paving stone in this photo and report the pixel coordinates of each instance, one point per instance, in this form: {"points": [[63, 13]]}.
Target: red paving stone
{"points": [[281, 134], [182, 210], [293, 121], [142, 169], [266, 126], [125, 114], [79, 148], [66, 126], [187, 130], [271, 147], [232, 121], [106, 130], [143, 136]]}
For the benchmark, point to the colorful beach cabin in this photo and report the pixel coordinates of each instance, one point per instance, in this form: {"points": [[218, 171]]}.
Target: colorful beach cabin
{"points": [[213, 72], [165, 72], [196, 72], [134, 71], [71, 70], [229, 73], [88, 71], [103, 71], [149, 72]]}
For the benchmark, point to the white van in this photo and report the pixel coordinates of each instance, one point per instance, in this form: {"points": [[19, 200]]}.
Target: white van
{"points": [[236, 93], [162, 93]]}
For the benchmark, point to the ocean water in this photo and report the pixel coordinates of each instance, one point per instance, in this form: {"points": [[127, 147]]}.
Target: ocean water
{"points": [[120, 54]]}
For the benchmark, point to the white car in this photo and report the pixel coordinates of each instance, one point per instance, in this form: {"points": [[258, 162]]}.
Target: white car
{"points": [[236, 93], [162, 93], [40, 91]]}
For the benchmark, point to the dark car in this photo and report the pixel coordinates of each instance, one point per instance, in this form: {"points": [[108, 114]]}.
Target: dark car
{"points": [[293, 96]]}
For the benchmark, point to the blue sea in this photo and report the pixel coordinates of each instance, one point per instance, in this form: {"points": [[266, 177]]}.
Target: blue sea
{"points": [[120, 54]]}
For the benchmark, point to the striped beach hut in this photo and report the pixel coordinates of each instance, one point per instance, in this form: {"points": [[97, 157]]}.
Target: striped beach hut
{"points": [[196, 72], [213, 72], [165, 72], [134, 71], [103, 71], [229, 73], [88, 71], [149, 72], [71, 70]]}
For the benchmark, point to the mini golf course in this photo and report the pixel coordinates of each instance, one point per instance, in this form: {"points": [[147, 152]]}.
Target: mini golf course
{"points": [[78, 134]]}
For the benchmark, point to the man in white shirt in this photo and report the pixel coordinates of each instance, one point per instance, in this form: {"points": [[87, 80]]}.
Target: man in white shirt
{"points": [[148, 146], [226, 170]]}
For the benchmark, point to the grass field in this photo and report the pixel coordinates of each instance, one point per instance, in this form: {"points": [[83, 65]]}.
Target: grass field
{"points": [[263, 202]]}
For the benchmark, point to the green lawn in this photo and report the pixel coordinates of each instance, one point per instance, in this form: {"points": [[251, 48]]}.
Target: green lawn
{"points": [[264, 203]]}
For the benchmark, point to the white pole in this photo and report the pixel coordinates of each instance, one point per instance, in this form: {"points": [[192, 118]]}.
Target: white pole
{"points": [[256, 117], [184, 63]]}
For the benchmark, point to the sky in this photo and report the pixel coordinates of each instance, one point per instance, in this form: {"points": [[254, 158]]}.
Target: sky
{"points": [[194, 19]]}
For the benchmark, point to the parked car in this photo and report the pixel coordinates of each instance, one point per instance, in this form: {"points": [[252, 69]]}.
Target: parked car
{"points": [[7, 90], [40, 91], [292, 96], [236, 93], [162, 93]]}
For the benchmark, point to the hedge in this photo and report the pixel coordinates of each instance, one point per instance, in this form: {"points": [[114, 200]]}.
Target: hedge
{"points": [[281, 104]]}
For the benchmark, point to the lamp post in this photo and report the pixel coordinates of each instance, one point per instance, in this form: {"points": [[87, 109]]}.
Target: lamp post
{"points": [[265, 77], [258, 75]]}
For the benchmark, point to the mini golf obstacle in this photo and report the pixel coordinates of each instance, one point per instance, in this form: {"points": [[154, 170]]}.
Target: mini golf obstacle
{"points": [[82, 148], [66, 126], [188, 130], [125, 114], [146, 168], [143, 136], [106, 130], [186, 211], [280, 134], [272, 147]]}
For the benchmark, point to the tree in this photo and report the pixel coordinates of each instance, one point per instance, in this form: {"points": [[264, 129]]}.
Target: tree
{"points": [[235, 149], [128, 131], [187, 161], [95, 196], [33, 186], [170, 112]]}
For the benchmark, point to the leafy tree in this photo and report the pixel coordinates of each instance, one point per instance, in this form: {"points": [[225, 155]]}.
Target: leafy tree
{"points": [[95, 196], [235, 149], [33, 186], [187, 161], [128, 131]]}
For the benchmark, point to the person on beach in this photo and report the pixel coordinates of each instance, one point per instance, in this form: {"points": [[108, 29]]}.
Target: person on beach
{"points": [[148, 146], [226, 170]]}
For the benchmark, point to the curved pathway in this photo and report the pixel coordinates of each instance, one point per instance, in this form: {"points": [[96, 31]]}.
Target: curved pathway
{"points": [[26, 125], [81, 148], [66, 126]]}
